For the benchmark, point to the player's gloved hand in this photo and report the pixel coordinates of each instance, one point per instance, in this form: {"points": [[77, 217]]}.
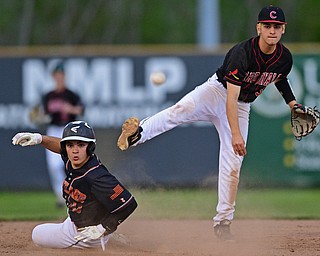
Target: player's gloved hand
{"points": [[304, 120], [90, 233], [26, 139]]}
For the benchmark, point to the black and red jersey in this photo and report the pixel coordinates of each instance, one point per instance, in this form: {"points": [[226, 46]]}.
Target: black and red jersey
{"points": [[247, 66], [53, 103]]}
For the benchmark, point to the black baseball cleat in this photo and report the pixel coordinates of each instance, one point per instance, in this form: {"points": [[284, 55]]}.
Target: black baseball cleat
{"points": [[222, 231], [131, 133]]}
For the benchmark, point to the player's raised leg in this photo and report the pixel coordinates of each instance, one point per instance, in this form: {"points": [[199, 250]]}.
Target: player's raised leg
{"points": [[152, 126], [184, 111]]}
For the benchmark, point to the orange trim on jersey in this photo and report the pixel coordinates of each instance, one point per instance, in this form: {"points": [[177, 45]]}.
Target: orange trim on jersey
{"points": [[92, 168]]}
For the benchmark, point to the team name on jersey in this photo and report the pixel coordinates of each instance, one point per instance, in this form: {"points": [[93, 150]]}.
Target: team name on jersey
{"points": [[76, 197], [264, 79]]}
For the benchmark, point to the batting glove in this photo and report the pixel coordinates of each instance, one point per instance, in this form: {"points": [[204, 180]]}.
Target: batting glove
{"points": [[90, 233], [27, 139]]}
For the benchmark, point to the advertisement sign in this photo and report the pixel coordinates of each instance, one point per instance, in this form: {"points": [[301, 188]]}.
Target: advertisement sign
{"points": [[279, 158], [113, 89]]}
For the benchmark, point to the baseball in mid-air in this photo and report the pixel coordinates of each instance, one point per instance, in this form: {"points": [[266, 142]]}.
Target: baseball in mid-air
{"points": [[157, 78]]}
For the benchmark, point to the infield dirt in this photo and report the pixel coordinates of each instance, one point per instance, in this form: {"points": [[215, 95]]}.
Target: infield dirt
{"points": [[183, 238]]}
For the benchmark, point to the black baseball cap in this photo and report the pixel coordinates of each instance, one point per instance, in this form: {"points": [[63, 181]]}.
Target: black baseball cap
{"points": [[58, 68], [271, 14]]}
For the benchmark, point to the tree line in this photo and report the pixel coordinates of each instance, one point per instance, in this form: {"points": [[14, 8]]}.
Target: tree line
{"points": [[100, 22]]}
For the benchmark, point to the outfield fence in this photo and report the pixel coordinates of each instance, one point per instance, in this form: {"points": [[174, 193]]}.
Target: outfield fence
{"points": [[113, 83]]}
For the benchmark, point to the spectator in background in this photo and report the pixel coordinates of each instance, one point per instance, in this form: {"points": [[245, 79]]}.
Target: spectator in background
{"points": [[62, 106]]}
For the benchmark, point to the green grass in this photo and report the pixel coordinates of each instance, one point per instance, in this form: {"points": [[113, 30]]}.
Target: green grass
{"points": [[177, 204], [29, 206], [279, 204]]}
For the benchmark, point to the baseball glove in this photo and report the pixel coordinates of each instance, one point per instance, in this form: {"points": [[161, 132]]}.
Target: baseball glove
{"points": [[38, 117], [304, 120]]}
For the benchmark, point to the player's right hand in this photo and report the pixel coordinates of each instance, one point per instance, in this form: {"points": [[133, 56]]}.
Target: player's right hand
{"points": [[26, 139], [90, 233], [238, 145]]}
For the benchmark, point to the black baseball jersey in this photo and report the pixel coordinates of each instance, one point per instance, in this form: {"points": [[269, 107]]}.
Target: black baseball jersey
{"points": [[247, 66], [53, 102], [92, 193]]}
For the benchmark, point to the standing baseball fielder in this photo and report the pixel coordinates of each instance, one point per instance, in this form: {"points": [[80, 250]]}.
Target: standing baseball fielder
{"points": [[62, 106], [97, 202], [224, 100]]}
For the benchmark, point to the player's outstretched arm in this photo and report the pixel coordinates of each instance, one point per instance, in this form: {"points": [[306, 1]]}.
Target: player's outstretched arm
{"points": [[30, 139], [51, 143]]}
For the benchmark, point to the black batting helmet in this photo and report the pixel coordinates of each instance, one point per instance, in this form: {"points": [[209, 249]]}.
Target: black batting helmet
{"points": [[78, 130]]}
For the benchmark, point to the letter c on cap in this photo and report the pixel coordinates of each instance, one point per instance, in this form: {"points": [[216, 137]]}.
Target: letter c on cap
{"points": [[273, 15]]}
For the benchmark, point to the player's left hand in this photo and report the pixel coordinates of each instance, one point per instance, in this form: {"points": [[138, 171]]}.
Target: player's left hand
{"points": [[90, 233], [304, 120]]}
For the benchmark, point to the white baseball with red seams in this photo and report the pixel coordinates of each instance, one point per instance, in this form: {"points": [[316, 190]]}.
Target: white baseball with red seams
{"points": [[158, 78]]}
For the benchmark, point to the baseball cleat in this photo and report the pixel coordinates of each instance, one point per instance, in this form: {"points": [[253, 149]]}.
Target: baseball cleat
{"points": [[222, 231], [131, 133]]}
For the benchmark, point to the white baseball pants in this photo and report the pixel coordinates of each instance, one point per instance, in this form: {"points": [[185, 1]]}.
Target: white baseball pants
{"points": [[61, 235], [55, 164], [207, 102]]}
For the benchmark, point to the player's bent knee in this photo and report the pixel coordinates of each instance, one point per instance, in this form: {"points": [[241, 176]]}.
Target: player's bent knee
{"points": [[41, 236], [37, 236]]}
